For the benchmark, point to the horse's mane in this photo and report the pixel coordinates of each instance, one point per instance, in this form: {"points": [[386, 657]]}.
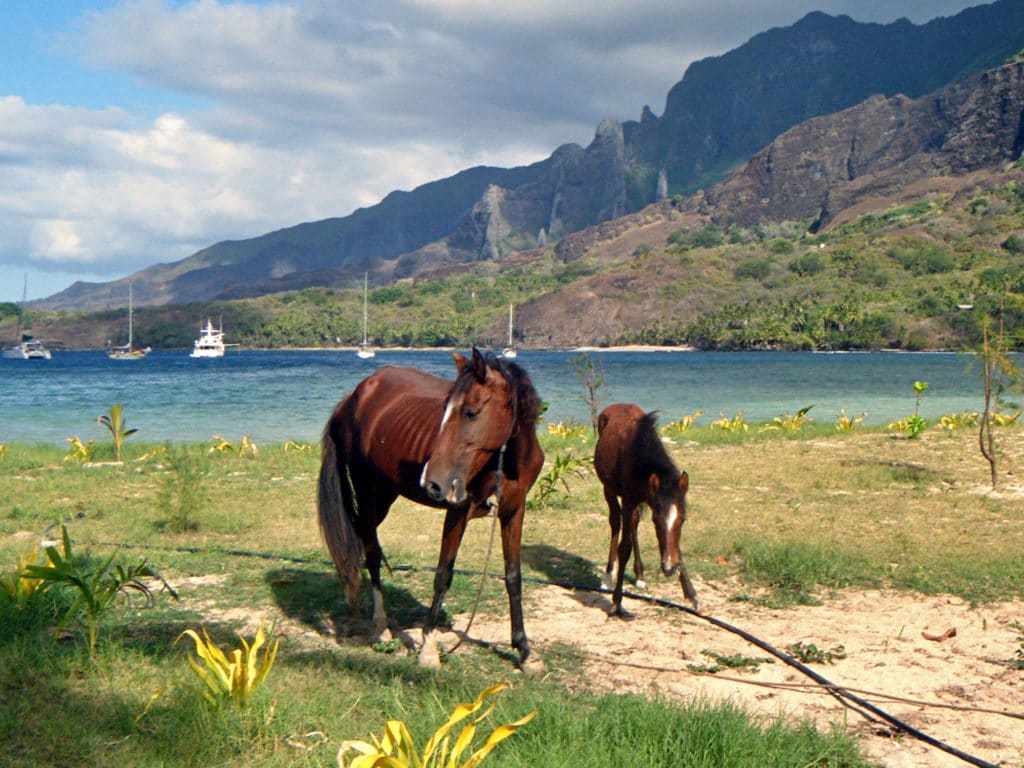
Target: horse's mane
{"points": [[527, 401], [650, 451]]}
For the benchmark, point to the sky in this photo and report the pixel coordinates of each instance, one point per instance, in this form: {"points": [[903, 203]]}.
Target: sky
{"points": [[137, 132]]}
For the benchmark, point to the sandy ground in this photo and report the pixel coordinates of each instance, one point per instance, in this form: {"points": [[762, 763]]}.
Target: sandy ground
{"points": [[960, 690]]}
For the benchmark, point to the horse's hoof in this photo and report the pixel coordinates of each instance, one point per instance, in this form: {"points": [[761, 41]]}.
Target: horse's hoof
{"points": [[429, 658], [641, 584], [532, 666], [381, 636]]}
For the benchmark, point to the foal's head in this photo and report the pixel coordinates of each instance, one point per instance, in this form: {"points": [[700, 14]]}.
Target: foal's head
{"points": [[479, 417], [668, 509], [666, 492]]}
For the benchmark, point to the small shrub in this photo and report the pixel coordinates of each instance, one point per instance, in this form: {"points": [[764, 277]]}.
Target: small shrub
{"points": [[960, 420], [753, 269], [807, 265], [114, 422], [846, 423], [789, 423], [812, 654], [184, 490], [735, 424], [557, 477], [676, 428], [79, 451], [568, 430], [396, 748], [97, 588], [733, 662], [235, 676]]}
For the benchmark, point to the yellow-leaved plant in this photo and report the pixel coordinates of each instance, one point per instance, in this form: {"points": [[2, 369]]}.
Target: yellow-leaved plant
{"points": [[18, 586], [234, 676], [396, 749]]}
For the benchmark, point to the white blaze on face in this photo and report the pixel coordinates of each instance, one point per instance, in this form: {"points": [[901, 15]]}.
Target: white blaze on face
{"points": [[448, 409], [671, 517]]}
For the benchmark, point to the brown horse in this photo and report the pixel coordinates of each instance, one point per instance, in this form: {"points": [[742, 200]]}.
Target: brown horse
{"points": [[468, 446], [635, 469]]}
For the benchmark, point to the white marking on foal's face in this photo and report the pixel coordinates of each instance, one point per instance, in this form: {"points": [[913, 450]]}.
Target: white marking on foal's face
{"points": [[671, 516]]}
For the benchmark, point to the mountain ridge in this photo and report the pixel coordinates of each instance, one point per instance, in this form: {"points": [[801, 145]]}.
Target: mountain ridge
{"points": [[484, 213]]}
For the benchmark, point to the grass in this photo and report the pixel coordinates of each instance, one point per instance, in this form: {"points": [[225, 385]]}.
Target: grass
{"points": [[785, 518]]}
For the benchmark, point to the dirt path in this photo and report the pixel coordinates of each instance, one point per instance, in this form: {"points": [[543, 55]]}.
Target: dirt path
{"points": [[939, 686]]}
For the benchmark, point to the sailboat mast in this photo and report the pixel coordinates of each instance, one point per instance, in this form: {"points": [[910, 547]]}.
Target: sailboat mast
{"points": [[366, 286], [129, 315]]}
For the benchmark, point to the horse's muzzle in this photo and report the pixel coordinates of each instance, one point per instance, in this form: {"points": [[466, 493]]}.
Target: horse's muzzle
{"points": [[455, 494]]}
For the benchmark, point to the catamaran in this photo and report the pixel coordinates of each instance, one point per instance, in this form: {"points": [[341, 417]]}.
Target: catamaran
{"points": [[26, 348]]}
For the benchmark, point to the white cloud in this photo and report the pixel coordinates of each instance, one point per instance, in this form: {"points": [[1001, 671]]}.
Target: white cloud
{"points": [[305, 109]]}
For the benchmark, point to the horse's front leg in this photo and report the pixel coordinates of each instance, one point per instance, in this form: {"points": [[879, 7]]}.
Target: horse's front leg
{"points": [[629, 525], [454, 527], [614, 523], [511, 542]]}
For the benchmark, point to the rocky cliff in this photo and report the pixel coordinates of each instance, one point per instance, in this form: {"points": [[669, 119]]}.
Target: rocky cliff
{"points": [[827, 164]]}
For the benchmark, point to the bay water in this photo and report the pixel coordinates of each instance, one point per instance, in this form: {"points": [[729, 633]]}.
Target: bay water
{"points": [[275, 396]]}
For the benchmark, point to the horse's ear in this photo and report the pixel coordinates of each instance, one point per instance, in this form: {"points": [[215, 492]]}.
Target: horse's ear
{"points": [[684, 483], [479, 366], [653, 484], [461, 361]]}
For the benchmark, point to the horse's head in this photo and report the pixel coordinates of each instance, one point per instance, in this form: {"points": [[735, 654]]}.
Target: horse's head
{"points": [[479, 416], [668, 509]]}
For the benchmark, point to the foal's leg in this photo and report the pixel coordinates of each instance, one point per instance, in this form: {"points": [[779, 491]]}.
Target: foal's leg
{"points": [[638, 564], [614, 522], [629, 524], [454, 527]]}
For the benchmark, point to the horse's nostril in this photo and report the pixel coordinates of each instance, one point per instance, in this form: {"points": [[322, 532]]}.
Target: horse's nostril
{"points": [[433, 490]]}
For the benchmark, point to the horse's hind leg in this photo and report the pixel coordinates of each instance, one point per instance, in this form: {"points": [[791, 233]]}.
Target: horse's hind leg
{"points": [[454, 527], [374, 558]]}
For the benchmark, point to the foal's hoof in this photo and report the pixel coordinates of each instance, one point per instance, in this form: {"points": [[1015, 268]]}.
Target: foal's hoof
{"points": [[641, 584], [617, 611]]}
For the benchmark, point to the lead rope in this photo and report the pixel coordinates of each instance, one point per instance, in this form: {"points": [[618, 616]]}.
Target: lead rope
{"points": [[490, 548]]}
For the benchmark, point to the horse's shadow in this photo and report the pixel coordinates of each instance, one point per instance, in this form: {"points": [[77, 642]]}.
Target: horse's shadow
{"points": [[582, 576], [317, 600]]}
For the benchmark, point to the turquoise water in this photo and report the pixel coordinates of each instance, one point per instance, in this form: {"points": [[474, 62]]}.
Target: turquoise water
{"points": [[278, 396]]}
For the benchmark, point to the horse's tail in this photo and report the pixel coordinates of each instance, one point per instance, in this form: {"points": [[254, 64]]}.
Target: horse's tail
{"points": [[337, 513]]}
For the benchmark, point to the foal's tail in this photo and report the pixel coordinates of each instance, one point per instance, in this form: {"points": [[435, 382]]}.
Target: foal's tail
{"points": [[337, 513]]}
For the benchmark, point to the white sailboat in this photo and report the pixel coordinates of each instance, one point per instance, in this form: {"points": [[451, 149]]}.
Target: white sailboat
{"points": [[365, 350], [25, 348], [127, 351], [509, 352]]}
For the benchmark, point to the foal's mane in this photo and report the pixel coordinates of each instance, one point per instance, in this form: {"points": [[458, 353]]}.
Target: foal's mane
{"points": [[650, 451]]}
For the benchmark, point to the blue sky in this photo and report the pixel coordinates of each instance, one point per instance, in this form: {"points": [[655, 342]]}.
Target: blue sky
{"points": [[134, 132]]}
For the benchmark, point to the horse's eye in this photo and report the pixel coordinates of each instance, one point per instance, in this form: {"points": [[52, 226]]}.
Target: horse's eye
{"points": [[469, 413]]}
